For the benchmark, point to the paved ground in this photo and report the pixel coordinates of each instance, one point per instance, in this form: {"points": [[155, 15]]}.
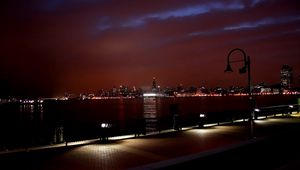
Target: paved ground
{"points": [[226, 146]]}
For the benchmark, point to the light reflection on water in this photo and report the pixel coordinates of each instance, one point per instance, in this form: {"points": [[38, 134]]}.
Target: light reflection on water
{"points": [[150, 114]]}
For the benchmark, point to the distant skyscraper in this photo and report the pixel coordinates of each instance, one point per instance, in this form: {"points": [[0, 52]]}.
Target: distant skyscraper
{"points": [[154, 85], [286, 76]]}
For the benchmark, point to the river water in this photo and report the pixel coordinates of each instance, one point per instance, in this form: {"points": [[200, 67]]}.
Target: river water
{"points": [[55, 121]]}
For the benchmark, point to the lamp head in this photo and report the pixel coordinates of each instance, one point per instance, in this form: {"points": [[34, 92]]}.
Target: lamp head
{"points": [[228, 68], [243, 70]]}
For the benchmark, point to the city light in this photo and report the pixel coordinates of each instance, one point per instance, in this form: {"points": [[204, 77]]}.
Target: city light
{"points": [[150, 95], [202, 115], [153, 95], [105, 125]]}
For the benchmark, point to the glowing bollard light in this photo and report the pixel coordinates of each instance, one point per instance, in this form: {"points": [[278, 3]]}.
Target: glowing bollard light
{"points": [[104, 131], [201, 122]]}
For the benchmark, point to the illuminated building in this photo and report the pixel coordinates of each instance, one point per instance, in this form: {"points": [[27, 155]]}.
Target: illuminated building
{"points": [[286, 75], [154, 85]]}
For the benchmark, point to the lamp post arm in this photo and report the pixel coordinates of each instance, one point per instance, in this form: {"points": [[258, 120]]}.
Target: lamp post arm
{"points": [[237, 49]]}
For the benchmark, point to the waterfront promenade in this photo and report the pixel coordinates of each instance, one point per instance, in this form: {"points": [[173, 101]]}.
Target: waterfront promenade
{"points": [[227, 145]]}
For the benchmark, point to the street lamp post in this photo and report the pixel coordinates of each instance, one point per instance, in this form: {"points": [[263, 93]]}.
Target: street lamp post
{"points": [[242, 70]]}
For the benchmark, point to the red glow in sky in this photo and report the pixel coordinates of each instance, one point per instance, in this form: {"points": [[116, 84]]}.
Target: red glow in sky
{"points": [[54, 46]]}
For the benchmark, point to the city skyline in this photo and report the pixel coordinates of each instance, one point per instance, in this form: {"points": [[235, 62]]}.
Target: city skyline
{"points": [[50, 47]]}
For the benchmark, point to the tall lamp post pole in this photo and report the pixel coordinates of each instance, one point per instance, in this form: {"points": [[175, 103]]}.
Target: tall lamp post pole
{"points": [[242, 70]]}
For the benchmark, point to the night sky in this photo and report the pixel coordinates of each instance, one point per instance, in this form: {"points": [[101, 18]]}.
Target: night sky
{"points": [[49, 47]]}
